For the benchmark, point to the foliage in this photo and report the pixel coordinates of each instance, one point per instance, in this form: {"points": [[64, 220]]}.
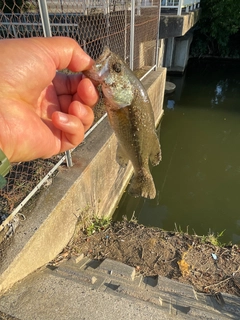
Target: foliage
{"points": [[98, 224], [218, 30], [213, 239]]}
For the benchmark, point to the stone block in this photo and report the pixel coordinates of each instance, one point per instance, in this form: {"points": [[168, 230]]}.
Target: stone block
{"points": [[117, 268], [175, 287]]}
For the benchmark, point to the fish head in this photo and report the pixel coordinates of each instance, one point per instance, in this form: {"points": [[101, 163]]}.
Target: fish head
{"points": [[113, 74]]}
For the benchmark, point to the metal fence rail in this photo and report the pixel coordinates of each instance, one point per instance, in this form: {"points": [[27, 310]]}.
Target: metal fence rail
{"points": [[129, 28]]}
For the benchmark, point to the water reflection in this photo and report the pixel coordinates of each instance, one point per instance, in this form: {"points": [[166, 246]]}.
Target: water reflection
{"points": [[198, 180], [220, 92], [170, 104]]}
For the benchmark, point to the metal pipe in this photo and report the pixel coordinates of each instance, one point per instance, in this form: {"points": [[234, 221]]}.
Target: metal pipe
{"points": [[180, 7], [132, 33], [69, 161], [125, 33], [37, 24], [151, 69], [45, 18], [158, 35]]}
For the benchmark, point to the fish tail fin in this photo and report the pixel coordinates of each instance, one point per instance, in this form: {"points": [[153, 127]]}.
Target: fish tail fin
{"points": [[142, 184]]}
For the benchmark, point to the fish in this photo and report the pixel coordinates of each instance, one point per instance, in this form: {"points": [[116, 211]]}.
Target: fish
{"points": [[131, 117]]}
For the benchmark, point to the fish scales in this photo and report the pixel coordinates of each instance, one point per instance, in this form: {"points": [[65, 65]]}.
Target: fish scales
{"points": [[131, 116]]}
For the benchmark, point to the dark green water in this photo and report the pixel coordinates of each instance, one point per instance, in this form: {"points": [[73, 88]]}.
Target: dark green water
{"points": [[198, 181]]}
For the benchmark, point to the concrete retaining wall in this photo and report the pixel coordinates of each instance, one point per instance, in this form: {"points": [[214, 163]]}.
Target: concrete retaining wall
{"points": [[93, 186], [175, 38], [172, 26]]}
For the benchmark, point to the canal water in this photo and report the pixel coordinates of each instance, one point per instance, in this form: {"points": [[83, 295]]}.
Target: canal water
{"points": [[198, 180]]}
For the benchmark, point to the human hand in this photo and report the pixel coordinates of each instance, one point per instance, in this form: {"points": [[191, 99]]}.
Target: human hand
{"points": [[43, 113]]}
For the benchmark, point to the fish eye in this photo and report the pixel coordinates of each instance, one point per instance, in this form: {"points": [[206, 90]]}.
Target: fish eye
{"points": [[117, 67]]}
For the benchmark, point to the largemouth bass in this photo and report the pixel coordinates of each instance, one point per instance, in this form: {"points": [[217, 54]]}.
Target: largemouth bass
{"points": [[131, 116]]}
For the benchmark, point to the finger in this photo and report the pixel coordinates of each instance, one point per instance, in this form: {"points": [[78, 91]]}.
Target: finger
{"points": [[87, 92], [65, 52], [66, 84], [72, 130], [40, 58], [73, 125], [83, 112]]}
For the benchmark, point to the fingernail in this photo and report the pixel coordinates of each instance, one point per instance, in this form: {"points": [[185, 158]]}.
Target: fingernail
{"points": [[63, 117]]}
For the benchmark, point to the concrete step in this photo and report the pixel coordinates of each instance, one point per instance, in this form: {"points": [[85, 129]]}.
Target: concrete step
{"points": [[88, 289]]}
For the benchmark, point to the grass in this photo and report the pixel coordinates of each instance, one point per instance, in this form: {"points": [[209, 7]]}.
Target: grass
{"points": [[213, 239]]}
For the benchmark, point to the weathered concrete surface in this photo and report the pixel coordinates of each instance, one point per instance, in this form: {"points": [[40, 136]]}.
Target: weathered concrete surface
{"points": [[110, 290], [177, 53], [176, 39], [93, 186], [172, 26]]}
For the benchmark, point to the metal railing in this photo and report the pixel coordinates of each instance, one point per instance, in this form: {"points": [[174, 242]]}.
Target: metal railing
{"points": [[179, 5], [129, 28]]}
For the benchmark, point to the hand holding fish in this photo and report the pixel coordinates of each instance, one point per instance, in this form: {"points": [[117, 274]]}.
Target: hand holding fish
{"points": [[42, 112]]}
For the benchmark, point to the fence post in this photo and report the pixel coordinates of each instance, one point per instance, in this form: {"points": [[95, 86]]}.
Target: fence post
{"points": [[158, 35], [14, 31], [139, 7], [125, 32], [132, 33], [180, 7], [48, 33], [45, 18]]}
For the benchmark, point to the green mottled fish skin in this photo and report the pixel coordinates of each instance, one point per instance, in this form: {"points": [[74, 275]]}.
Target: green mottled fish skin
{"points": [[131, 117]]}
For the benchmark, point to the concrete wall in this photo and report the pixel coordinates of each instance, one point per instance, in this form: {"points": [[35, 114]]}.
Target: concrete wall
{"points": [[176, 38], [177, 26], [93, 186]]}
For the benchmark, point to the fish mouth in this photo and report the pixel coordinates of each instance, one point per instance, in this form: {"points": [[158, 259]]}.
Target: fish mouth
{"points": [[100, 69]]}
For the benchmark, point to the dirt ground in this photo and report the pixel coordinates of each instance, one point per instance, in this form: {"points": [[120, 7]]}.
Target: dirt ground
{"points": [[179, 256]]}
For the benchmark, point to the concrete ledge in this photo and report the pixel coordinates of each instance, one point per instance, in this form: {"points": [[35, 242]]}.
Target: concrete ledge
{"points": [[93, 186], [172, 26]]}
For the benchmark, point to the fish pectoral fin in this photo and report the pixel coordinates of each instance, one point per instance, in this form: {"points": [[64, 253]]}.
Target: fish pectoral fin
{"points": [[121, 156], [142, 185], [156, 154]]}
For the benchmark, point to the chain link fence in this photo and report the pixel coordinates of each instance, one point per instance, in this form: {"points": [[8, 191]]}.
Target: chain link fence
{"points": [[130, 28]]}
